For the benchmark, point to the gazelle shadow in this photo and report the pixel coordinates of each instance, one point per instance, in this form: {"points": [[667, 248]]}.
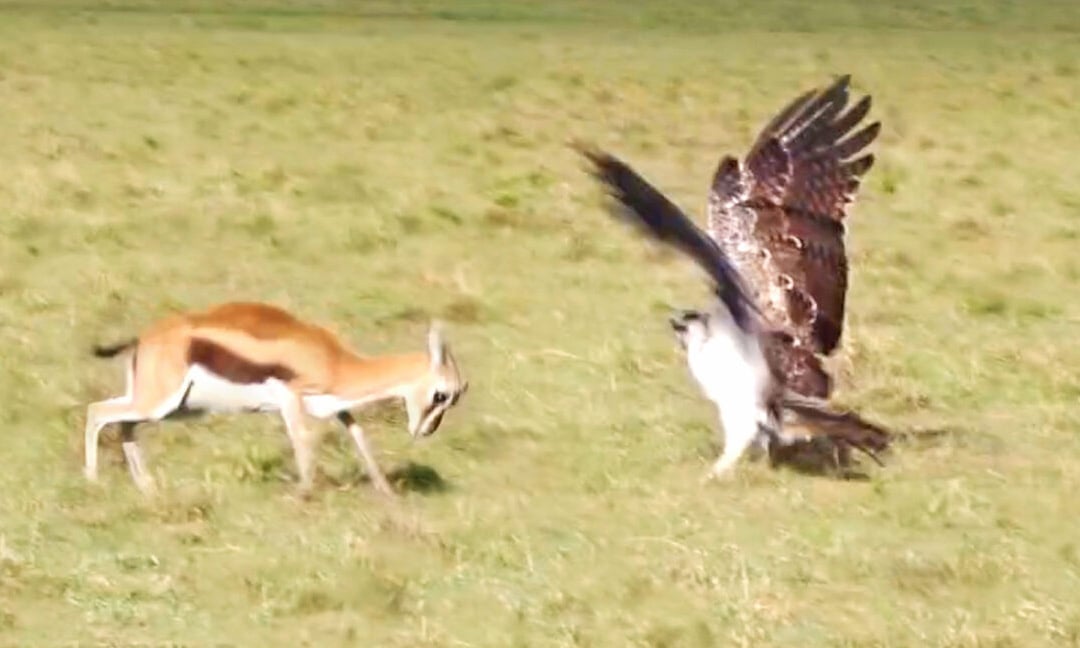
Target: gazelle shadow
{"points": [[417, 478], [410, 478]]}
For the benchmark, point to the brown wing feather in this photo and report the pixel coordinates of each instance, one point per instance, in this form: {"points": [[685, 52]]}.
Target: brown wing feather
{"points": [[799, 369], [780, 119], [807, 252], [780, 214]]}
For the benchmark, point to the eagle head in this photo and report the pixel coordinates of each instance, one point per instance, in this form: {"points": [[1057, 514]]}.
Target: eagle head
{"points": [[690, 326]]}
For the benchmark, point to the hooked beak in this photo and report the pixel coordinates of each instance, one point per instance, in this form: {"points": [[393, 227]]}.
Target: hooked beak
{"points": [[680, 319], [680, 323]]}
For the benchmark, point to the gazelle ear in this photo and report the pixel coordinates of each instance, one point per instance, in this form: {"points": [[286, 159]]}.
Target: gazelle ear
{"points": [[436, 344]]}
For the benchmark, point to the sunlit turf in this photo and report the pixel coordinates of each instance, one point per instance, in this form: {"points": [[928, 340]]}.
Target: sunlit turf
{"points": [[373, 165]]}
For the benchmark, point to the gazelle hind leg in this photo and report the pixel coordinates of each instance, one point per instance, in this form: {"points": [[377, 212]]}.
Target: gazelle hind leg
{"points": [[102, 413], [133, 456], [128, 411], [116, 410], [303, 441], [98, 415]]}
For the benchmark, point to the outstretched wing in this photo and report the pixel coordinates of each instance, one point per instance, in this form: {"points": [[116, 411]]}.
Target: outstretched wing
{"points": [[779, 215], [644, 207]]}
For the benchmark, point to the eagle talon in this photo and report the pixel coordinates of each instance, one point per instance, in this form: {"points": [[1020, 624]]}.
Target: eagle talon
{"points": [[715, 474]]}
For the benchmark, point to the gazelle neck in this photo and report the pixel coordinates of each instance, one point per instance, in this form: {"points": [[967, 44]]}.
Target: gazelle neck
{"points": [[375, 378]]}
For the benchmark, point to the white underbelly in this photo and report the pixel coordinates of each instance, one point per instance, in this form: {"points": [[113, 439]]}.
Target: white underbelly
{"points": [[327, 405], [211, 393], [324, 405], [725, 370]]}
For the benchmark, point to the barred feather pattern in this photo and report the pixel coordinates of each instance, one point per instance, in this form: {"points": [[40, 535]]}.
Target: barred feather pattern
{"points": [[779, 215]]}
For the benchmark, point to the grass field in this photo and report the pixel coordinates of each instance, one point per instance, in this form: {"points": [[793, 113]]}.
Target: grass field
{"points": [[374, 164]]}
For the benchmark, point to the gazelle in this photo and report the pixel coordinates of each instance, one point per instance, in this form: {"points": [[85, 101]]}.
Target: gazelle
{"points": [[252, 357]]}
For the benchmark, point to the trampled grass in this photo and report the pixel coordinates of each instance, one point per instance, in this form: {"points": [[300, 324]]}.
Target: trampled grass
{"points": [[372, 165]]}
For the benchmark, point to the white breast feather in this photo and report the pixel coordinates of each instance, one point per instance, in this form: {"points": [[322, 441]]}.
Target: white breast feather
{"points": [[730, 368]]}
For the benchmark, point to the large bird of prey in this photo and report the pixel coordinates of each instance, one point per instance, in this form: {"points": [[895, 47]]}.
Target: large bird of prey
{"points": [[775, 252]]}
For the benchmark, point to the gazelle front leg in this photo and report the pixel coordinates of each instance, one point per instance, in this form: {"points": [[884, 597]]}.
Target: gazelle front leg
{"points": [[364, 450]]}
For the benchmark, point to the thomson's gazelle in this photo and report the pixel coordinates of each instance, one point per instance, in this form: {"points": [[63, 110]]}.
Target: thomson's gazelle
{"points": [[248, 357]]}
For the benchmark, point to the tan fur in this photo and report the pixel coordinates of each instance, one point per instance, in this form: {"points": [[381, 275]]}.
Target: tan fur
{"points": [[268, 348]]}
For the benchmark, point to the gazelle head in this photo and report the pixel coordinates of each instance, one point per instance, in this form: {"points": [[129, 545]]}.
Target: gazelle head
{"points": [[691, 328], [438, 389]]}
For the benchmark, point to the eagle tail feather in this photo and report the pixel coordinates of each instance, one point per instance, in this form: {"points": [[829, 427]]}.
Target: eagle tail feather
{"points": [[847, 429]]}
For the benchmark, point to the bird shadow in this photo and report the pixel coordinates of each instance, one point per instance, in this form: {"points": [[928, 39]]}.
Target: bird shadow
{"points": [[927, 437], [823, 457], [819, 457]]}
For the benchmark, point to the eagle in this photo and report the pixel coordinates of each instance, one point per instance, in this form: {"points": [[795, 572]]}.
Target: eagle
{"points": [[774, 250]]}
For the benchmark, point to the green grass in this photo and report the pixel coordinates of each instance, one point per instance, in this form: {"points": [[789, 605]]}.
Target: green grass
{"points": [[372, 165]]}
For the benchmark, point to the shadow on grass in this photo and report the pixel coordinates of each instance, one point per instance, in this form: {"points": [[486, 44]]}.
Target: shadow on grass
{"points": [[926, 438], [824, 458], [819, 457], [418, 478], [410, 478]]}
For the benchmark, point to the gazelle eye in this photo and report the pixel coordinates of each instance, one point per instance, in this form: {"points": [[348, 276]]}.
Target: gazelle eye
{"points": [[439, 397]]}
